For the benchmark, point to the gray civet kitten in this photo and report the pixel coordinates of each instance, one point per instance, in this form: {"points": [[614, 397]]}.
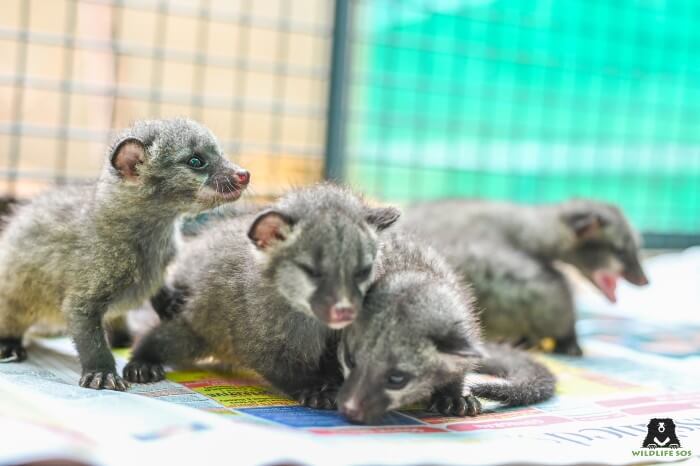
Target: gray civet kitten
{"points": [[417, 338], [77, 252], [266, 290], [507, 254]]}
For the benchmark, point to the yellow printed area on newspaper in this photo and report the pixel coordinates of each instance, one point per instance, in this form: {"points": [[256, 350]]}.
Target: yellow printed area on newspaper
{"points": [[236, 389], [243, 396], [188, 376]]}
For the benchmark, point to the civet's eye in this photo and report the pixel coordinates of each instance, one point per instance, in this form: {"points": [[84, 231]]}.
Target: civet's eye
{"points": [[196, 162], [396, 380], [363, 274], [309, 271]]}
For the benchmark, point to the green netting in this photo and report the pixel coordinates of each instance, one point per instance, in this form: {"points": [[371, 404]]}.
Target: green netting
{"points": [[530, 101]]}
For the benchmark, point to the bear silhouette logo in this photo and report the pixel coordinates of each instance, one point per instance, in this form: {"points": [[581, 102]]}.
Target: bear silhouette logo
{"points": [[661, 433]]}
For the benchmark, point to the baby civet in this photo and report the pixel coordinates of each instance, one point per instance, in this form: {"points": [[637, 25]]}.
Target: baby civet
{"points": [[78, 252], [269, 289], [507, 254]]}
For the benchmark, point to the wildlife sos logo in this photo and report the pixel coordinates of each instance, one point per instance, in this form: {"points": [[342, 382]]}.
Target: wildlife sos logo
{"points": [[661, 434], [661, 440]]}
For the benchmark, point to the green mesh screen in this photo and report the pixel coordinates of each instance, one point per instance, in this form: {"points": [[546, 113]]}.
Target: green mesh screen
{"points": [[530, 101]]}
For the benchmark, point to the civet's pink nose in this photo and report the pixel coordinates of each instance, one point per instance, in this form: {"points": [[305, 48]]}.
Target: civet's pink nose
{"points": [[242, 177], [340, 314], [352, 410]]}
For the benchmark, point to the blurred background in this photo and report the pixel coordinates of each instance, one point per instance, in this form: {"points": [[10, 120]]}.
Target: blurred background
{"points": [[530, 101]]}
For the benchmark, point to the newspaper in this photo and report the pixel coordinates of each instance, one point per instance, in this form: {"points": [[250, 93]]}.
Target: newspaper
{"points": [[605, 403]]}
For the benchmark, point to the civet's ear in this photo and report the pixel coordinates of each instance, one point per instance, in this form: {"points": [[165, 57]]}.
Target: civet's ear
{"points": [[126, 156], [269, 228], [586, 225], [456, 344], [382, 217]]}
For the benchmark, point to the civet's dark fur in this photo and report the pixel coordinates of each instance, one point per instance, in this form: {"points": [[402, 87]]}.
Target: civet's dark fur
{"points": [[77, 252], [260, 289], [418, 322], [507, 253]]}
